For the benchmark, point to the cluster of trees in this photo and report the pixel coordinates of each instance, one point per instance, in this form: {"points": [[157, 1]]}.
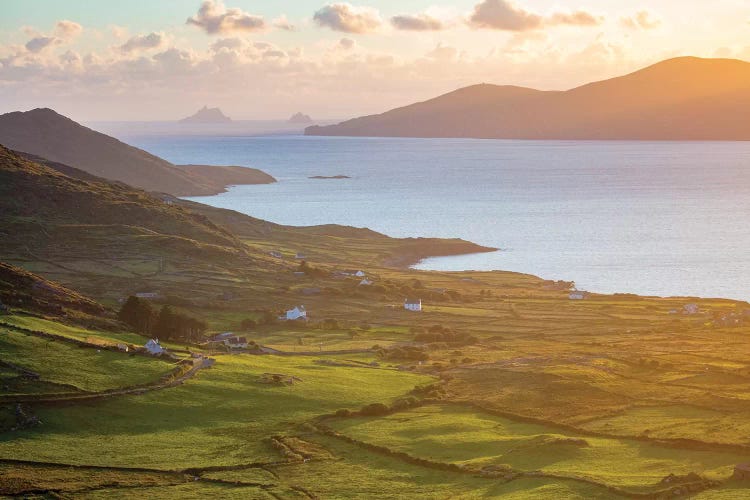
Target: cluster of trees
{"points": [[165, 323], [312, 271], [439, 333], [404, 353]]}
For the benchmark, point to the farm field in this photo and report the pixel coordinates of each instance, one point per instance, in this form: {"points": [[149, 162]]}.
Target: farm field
{"points": [[464, 436]]}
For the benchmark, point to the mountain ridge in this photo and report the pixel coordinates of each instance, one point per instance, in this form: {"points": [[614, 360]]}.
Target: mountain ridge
{"points": [[47, 134], [685, 98]]}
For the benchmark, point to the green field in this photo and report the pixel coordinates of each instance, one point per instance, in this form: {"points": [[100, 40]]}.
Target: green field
{"points": [[73, 368], [452, 434], [222, 417]]}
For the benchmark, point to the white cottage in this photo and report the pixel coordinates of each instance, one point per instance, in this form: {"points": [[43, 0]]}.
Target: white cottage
{"points": [[153, 347], [298, 312], [413, 304]]}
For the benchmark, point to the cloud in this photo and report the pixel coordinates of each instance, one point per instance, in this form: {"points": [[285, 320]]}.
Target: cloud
{"points": [[40, 43], [143, 42], [283, 23], [503, 15], [507, 16], [443, 53], [68, 29], [417, 22], [644, 20], [65, 31], [214, 18], [348, 19], [577, 18], [346, 44]]}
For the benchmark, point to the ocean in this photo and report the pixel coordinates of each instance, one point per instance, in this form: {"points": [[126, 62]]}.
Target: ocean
{"points": [[653, 218]]}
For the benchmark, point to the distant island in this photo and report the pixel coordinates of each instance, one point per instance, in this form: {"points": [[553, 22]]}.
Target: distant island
{"points": [[207, 115], [300, 118], [329, 177], [686, 98]]}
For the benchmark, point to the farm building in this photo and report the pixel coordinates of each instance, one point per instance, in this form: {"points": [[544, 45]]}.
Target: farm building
{"points": [[365, 282], [413, 304], [298, 312], [577, 295], [153, 347], [236, 342]]}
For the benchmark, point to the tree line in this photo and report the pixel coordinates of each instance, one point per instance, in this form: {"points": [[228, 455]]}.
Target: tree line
{"points": [[165, 323]]}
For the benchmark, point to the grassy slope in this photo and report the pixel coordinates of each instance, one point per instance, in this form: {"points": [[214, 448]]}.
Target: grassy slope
{"points": [[77, 368], [223, 417]]}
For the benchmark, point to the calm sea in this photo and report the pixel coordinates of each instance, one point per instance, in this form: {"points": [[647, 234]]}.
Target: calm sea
{"points": [[657, 218]]}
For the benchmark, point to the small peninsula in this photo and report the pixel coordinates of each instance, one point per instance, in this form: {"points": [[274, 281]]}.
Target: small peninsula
{"points": [[207, 115]]}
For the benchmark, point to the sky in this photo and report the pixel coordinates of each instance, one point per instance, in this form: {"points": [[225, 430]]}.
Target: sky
{"points": [[108, 60]]}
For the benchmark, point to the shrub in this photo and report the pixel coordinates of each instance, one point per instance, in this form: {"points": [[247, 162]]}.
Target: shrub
{"points": [[374, 410]]}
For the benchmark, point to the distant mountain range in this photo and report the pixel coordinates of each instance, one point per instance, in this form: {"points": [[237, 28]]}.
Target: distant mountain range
{"points": [[685, 98], [44, 133], [207, 115]]}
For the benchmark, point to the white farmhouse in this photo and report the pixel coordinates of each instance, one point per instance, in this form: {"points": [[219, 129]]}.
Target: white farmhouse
{"points": [[577, 295], [413, 304], [359, 274], [153, 347], [298, 312]]}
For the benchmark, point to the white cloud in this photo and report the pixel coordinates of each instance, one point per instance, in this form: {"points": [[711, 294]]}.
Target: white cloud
{"points": [[507, 16], [283, 23], [348, 18], [65, 31], [214, 18], [644, 20], [417, 22], [504, 15], [143, 42]]}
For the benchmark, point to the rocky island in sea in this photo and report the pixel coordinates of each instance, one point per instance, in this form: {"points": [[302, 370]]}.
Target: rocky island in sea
{"points": [[207, 115]]}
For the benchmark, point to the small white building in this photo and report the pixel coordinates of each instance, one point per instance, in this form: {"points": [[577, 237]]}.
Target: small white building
{"points": [[365, 282], [413, 304], [298, 312], [359, 274], [577, 295], [275, 254], [153, 347]]}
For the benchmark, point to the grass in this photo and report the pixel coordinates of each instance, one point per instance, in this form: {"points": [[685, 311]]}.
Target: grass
{"points": [[464, 436], [76, 368], [222, 417]]}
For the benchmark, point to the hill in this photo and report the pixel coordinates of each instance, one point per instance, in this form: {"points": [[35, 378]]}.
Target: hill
{"points": [[679, 99], [20, 288], [47, 134], [207, 115]]}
